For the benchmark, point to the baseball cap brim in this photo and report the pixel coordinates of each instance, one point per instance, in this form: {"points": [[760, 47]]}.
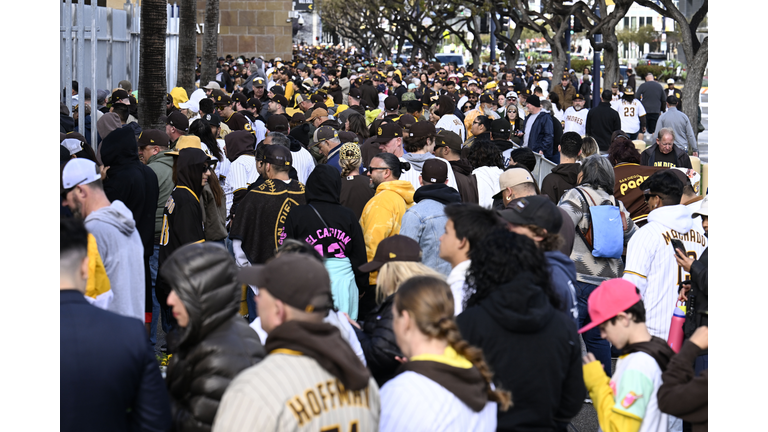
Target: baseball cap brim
{"points": [[512, 216], [590, 326], [498, 195], [252, 275], [370, 266]]}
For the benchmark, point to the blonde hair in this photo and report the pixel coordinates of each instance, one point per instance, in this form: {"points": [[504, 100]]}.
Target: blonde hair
{"points": [[394, 273], [429, 302], [588, 147]]}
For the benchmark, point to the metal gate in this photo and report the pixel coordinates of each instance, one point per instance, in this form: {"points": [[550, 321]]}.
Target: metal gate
{"points": [[101, 59]]}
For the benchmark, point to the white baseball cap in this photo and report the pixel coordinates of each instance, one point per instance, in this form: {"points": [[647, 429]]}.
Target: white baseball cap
{"points": [[79, 171], [73, 145], [212, 85], [670, 81], [704, 209]]}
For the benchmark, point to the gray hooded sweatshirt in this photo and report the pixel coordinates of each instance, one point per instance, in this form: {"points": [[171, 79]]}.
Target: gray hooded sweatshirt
{"points": [[121, 251]]}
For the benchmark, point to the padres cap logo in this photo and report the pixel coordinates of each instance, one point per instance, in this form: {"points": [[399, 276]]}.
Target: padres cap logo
{"points": [[218, 98], [380, 131]]}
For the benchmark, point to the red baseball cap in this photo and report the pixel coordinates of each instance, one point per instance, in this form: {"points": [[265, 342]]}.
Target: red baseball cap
{"points": [[608, 300]]}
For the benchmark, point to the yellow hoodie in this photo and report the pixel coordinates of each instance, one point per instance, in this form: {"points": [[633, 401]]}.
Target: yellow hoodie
{"points": [[382, 215]]}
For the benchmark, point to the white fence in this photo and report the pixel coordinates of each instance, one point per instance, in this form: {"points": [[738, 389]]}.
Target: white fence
{"points": [[101, 59]]}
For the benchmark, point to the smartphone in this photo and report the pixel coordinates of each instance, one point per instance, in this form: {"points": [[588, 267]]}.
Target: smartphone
{"points": [[677, 244]]}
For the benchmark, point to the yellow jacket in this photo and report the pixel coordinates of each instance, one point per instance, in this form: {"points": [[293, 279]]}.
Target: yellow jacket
{"points": [[382, 215], [610, 418], [97, 288]]}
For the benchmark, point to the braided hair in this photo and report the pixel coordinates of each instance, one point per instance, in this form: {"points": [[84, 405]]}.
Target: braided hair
{"points": [[430, 302]]}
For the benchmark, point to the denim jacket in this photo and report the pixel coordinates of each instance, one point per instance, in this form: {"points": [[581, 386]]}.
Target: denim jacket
{"points": [[425, 223]]}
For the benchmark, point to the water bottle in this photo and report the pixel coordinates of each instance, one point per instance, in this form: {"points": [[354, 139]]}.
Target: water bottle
{"points": [[675, 339]]}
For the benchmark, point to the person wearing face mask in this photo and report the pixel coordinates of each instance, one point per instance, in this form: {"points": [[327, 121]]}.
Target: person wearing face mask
{"points": [[212, 343]]}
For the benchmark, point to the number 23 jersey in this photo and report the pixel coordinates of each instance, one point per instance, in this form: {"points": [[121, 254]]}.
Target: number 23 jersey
{"points": [[630, 114]]}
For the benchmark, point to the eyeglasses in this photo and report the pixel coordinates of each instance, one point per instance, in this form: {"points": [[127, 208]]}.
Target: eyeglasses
{"points": [[377, 168], [647, 194]]}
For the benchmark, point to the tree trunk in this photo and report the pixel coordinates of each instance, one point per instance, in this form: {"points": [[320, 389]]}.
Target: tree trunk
{"points": [[696, 68], [152, 85], [187, 46], [210, 42], [610, 58]]}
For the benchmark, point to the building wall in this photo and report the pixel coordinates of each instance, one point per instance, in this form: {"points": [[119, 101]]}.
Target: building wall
{"points": [[252, 28]]}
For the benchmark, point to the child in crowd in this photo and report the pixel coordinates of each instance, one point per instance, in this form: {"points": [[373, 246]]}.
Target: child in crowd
{"points": [[628, 400]]}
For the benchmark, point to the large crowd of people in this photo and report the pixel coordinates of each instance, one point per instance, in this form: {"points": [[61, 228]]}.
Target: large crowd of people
{"points": [[338, 242]]}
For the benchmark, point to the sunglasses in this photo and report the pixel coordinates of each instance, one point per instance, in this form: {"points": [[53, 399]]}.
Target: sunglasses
{"points": [[370, 169], [66, 192], [647, 194]]}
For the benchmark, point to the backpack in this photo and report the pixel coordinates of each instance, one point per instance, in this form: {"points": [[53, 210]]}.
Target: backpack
{"points": [[605, 235]]}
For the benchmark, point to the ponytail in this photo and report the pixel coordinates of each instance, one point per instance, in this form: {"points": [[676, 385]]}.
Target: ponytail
{"points": [[430, 303]]}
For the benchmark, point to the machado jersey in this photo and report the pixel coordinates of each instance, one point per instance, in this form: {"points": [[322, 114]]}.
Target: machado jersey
{"points": [[652, 267], [629, 113], [575, 121], [288, 392]]}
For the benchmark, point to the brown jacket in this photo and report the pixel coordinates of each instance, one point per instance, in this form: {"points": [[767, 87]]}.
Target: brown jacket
{"points": [[566, 96], [682, 394], [629, 176]]}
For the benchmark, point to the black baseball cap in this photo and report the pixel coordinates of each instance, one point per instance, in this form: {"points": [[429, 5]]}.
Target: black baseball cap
{"points": [[500, 126], [281, 100], [395, 248], [213, 119], [277, 123], [391, 103], [118, 95], [536, 210], [277, 155], [387, 132], [178, 120], [297, 280]]}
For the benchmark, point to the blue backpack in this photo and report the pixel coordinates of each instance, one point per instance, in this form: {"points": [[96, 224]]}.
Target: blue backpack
{"points": [[605, 235]]}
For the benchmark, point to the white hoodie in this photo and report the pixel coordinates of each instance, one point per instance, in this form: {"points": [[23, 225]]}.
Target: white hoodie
{"points": [[487, 184], [651, 263]]}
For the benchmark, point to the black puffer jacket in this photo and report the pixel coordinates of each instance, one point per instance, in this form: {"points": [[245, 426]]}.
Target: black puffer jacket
{"points": [[216, 344], [379, 344]]}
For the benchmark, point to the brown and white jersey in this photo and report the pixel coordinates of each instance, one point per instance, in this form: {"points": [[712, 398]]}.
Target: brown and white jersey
{"points": [[291, 392]]}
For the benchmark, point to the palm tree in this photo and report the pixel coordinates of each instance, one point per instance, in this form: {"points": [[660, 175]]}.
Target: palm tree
{"points": [[152, 85], [210, 42], [187, 46]]}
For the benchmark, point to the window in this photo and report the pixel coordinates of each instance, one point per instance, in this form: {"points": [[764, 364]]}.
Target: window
{"points": [[626, 22], [634, 23], [642, 21]]}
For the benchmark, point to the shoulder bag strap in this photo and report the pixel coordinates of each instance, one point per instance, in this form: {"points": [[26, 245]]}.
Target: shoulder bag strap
{"points": [[318, 215]]}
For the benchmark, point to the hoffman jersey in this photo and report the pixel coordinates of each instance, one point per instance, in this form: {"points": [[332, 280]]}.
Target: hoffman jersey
{"points": [[629, 113], [289, 392], [652, 267], [575, 121]]}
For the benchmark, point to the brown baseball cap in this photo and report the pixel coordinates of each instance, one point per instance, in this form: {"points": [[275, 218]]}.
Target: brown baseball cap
{"points": [[387, 132], [422, 129], [395, 248], [220, 98], [449, 139], [324, 133], [391, 103], [153, 137], [317, 112], [297, 280], [277, 123], [434, 171], [118, 95]]}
